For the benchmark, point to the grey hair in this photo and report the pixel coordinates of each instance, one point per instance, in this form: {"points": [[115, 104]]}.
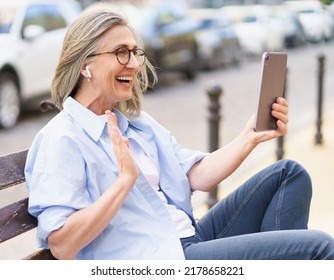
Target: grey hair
{"points": [[82, 39]]}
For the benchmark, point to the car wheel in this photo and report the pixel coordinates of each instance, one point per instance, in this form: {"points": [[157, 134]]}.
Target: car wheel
{"points": [[190, 75], [9, 100]]}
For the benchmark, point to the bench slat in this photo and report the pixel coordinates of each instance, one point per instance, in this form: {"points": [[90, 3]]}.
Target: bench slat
{"points": [[43, 254], [15, 219], [12, 169]]}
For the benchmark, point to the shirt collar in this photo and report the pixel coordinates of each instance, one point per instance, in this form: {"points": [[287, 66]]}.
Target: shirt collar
{"points": [[92, 123], [124, 123]]}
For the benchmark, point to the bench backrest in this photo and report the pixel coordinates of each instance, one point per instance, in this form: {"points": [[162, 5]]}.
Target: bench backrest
{"points": [[14, 218]]}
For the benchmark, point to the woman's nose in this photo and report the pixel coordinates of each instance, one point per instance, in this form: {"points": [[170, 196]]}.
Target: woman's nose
{"points": [[133, 62]]}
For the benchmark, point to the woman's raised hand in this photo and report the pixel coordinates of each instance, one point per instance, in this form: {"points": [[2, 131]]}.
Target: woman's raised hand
{"points": [[127, 168]]}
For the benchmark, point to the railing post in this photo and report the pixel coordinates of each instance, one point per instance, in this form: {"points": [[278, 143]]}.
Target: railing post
{"points": [[214, 92], [280, 140], [321, 64]]}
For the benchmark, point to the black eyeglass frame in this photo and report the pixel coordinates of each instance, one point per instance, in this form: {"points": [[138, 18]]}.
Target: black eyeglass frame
{"points": [[116, 52]]}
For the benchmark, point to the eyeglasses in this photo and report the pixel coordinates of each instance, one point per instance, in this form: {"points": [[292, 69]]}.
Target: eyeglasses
{"points": [[123, 55]]}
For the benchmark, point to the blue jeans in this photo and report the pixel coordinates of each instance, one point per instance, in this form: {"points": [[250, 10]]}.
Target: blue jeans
{"points": [[265, 218]]}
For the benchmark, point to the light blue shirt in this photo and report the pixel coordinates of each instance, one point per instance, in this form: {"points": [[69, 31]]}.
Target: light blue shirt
{"points": [[70, 165]]}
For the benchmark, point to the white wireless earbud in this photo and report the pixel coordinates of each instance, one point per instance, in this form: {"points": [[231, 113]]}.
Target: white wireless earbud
{"points": [[89, 75]]}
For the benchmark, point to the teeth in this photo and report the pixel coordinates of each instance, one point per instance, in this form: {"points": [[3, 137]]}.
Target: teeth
{"points": [[124, 78]]}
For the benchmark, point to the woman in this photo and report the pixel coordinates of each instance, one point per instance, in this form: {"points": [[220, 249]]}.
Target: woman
{"points": [[106, 181]]}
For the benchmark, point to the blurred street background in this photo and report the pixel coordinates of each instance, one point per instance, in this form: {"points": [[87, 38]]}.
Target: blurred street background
{"points": [[194, 45]]}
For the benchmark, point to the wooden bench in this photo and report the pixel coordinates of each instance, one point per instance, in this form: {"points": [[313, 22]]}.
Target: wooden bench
{"points": [[14, 218]]}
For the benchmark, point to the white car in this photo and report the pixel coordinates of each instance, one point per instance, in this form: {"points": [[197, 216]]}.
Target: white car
{"points": [[316, 18], [256, 28], [31, 36], [218, 44]]}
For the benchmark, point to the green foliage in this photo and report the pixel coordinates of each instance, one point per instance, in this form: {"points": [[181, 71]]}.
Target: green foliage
{"points": [[327, 2]]}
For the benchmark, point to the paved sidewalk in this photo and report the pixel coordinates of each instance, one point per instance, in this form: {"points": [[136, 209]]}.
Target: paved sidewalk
{"points": [[317, 159]]}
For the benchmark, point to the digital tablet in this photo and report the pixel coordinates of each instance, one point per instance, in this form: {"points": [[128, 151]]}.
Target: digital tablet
{"points": [[271, 86]]}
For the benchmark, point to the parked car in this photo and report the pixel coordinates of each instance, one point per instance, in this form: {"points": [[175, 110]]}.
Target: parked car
{"points": [[167, 32], [316, 18], [216, 38], [31, 35], [256, 28], [292, 28]]}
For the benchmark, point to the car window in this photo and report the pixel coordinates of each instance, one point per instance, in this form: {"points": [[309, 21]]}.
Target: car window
{"points": [[6, 18], [207, 23], [46, 16], [166, 17], [250, 18], [169, 13]]}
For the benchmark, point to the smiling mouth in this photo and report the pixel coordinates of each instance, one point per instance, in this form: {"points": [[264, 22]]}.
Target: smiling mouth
{"points": [[124, 79]]}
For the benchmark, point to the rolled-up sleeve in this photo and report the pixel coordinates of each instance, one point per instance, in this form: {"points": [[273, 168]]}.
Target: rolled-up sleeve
{"points": [[56, 182], [186, 157]]}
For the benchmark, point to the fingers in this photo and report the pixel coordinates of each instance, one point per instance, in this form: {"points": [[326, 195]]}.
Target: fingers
{"points": [[120, 143], [282, 101], [126, 141], [111, 118], [282, 128], [128, 172], [280, 110], [281, 105], [250, 123], [113, 130]]}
